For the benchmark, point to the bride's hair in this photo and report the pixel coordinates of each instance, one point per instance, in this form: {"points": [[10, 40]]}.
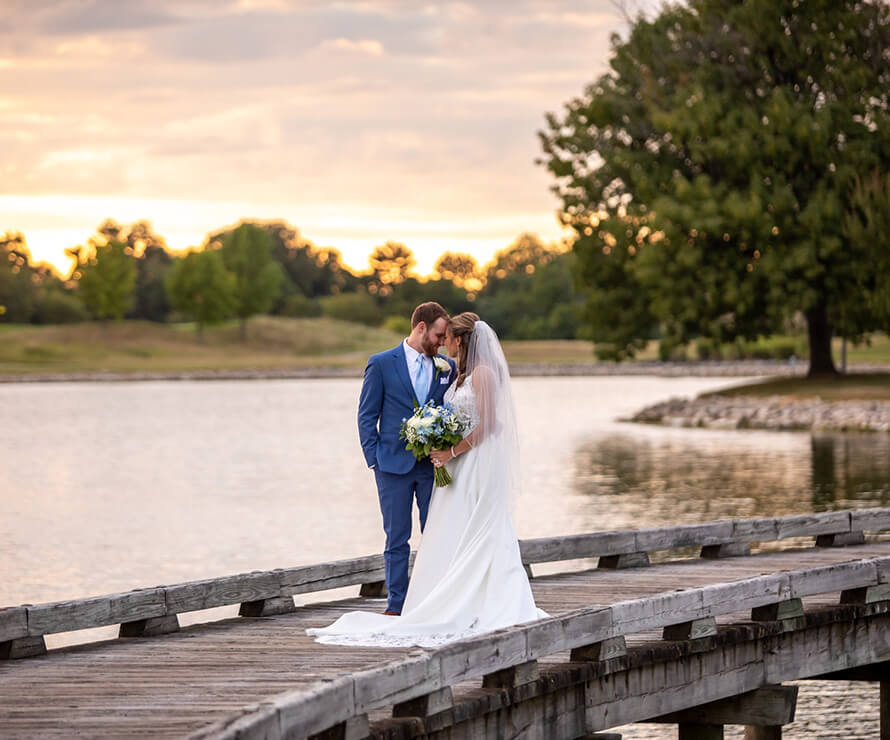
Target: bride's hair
{"points": [[461, 326]]}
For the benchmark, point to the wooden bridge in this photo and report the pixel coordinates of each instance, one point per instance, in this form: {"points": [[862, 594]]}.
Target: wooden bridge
{"points": [[702, 638]]}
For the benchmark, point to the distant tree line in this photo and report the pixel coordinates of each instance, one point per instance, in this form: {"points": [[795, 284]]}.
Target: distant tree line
{"points": [[527, 291]]}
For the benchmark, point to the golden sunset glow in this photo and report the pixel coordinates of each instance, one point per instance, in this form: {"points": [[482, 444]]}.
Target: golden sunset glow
{"points": [[357, 122]]}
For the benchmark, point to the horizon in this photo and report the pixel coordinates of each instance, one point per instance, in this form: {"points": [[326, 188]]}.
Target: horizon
{"points": [[356, 122]]}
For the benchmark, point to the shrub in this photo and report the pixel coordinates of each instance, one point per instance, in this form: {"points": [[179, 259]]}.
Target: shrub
{"points": [[398, 324], [299, 306], [358, 307], [60, 308]]}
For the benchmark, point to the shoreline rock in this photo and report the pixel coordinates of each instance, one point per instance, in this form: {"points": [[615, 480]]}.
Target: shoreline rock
{"points": [[772, 412]]}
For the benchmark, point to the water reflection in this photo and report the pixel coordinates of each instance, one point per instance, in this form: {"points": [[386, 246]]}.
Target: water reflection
{"points": [[673, 479]]}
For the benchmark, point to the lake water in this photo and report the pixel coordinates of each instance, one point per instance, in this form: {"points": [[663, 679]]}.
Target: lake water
{"points": [[110, 486]]}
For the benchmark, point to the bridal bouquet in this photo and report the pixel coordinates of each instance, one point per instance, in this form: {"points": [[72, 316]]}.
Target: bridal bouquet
{"points": [[431, 428]]}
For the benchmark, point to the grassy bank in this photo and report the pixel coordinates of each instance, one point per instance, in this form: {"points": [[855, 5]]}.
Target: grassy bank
{"points": [[273, 343], [858, 387], [136, 346]]}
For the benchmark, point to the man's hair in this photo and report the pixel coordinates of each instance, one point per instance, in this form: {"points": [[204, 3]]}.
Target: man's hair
{"points": [[428, 313]]}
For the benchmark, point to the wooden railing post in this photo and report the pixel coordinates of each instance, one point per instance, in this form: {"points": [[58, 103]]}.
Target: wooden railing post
{"points": [[772, 732], [691, 731], [626, 560], [22, 647], [150, 627], [510, 678], [374, 590], [614, 647], [426, 705], [354, 728], [842, 539], [267, 607]]}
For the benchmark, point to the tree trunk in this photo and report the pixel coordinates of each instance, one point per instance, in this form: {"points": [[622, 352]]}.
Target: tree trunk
{"points": [[243, 329], [200, 331], [819, 330]]}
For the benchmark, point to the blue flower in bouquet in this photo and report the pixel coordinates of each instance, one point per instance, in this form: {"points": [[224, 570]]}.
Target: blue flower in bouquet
{"points": [[432, 427]]}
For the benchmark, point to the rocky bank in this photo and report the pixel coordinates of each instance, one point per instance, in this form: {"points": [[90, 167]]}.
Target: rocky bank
{"points": [[773, 412]]}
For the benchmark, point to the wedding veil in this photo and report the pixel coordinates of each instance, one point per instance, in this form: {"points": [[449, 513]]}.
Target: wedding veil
{"points": [[497, 435]]}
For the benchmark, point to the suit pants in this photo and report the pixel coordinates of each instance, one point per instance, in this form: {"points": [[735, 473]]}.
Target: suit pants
{"points": [[397, 494]]}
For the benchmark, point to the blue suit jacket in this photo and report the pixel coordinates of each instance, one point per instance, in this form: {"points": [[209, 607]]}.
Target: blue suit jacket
{"points": [[388, 397]]}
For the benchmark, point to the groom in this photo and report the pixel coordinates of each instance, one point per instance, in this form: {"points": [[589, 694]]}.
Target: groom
{"points": [[394, 381]]}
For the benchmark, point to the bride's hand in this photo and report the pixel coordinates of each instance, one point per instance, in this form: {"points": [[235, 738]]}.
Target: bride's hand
{"points": [[440, 457]]}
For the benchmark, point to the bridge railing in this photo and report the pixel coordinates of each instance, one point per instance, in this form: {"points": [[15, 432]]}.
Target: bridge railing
{"points": [[155, 610], [511, 655]]}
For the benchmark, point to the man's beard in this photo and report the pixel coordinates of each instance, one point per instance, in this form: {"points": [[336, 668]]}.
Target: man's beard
{"points": [[428, 347]]}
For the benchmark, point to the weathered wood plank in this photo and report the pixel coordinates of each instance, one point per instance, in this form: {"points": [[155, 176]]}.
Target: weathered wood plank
{"points": [[571, 547], [769, 705], [722, 598], [64, 616], [570, 630], [187, 597], [397, 682], [666, 538], [831, 578], [312, 710], [758, 529], [13, 623], [481, 655], [657, 611], [870, 520], [810, 525]]}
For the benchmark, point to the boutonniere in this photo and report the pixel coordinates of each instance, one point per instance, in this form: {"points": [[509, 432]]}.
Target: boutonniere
{"points": [[442, 366]]}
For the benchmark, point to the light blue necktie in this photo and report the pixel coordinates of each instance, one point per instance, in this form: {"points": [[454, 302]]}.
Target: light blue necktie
{"points": [[422, 383]]}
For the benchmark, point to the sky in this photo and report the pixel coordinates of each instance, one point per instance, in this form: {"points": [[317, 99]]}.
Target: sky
{"points": [[356, 122]]}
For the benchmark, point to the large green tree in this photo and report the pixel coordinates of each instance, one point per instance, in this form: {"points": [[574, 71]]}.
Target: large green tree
{"points": [[530, 291], [867, 227], [247, 254], [309, 271], [201, 288], [707, 173], [106, 277], [18, 293]]}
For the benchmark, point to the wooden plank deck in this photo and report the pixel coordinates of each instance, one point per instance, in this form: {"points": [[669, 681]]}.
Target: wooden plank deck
{"points": [[171, 685]]}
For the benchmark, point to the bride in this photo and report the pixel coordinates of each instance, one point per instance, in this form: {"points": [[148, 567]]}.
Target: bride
{"points": [[468, 576]]}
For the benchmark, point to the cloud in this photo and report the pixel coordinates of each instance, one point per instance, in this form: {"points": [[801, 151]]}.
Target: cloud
{"points": [[416, 110], [365, 46]]}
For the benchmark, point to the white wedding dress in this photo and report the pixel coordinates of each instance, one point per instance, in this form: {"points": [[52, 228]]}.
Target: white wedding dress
{"points": [[468, 577]]}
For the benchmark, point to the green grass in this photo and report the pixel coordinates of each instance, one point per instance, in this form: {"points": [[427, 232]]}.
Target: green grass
{"points": [[135, 346], [856, 387], [273, 343]]}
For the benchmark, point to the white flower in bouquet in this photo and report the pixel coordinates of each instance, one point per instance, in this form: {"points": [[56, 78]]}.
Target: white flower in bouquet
{"points": [[432, 427]]}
